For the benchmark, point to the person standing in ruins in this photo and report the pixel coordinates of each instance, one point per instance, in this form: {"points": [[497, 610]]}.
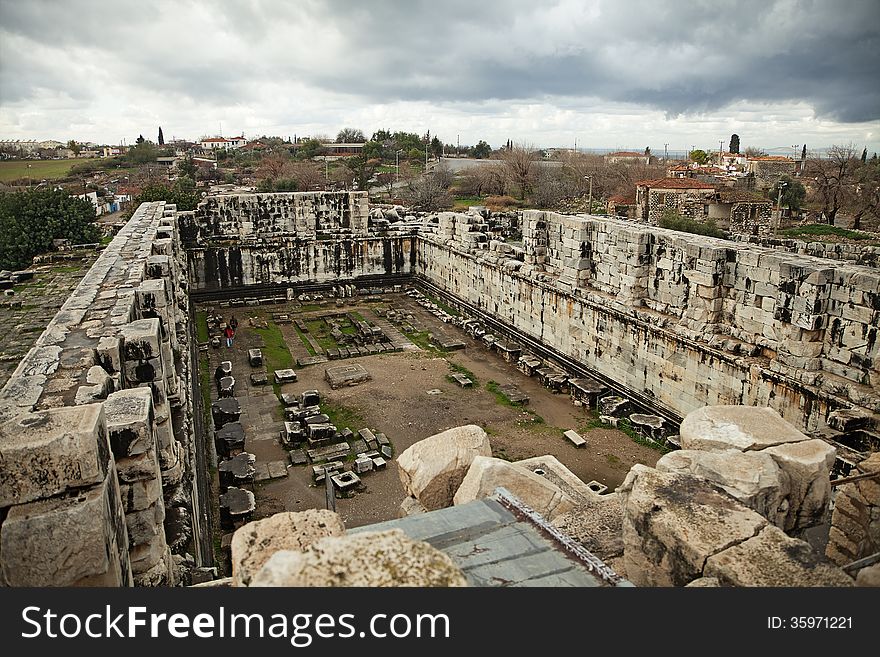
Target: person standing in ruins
{"points": [[229, 333]]}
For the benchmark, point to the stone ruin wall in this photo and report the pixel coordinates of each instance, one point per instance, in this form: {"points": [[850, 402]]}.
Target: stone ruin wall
{"points": [[743, 222], [273, 239], [686, 320], [857, 254], [96, 448]]}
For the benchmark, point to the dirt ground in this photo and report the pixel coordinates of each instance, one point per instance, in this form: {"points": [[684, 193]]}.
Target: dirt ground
{"points": [[396, 402]]}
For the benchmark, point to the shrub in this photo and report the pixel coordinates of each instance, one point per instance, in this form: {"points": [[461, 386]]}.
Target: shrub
{"points": [[674, 221]]}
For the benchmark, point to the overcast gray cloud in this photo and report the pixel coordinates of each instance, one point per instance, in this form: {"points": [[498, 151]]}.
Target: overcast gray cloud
{"points": [[607, 71]]}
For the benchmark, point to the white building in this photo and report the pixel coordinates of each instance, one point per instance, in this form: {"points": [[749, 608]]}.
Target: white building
{"points": [[225, 143]]}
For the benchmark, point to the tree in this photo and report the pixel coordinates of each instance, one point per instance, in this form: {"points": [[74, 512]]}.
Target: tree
{"points": [[519, 162], [139, 140], [733, 147], [309, 149], [804, 153], [362, 169], [182, 192], [831, 176], [381, 136], [143, 152], [427, 193], [754, 151], [350, 136], [482, 150], [793, 192], [863, 199], [865, 155], [187, 167], [31, 219], [436, 147], [699, 156], [161, 137], [674, 221]]}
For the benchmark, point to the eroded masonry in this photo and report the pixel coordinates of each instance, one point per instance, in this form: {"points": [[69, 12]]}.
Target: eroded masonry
{"points": [[104, 459]]}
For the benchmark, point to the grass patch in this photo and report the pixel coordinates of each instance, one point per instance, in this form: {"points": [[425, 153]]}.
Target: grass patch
{"points": [[343, 416], [37, 170], [69, 269], [495, 389], [421, 339], [202, 326], [823, 230], [674, 221], [205, 383], [305, 341], [276, 355], [461, 369]]}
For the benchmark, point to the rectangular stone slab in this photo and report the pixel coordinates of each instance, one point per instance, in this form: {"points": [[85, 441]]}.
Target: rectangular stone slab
{"points": [[45, 453]]}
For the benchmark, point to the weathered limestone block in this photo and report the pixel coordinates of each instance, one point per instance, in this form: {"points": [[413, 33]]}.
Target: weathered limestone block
{"points": [[137, 468], [45, 453], [597, 524], [253, 544], [718, 428], [753, 478], [487, 473], [152, 295], [410, 507], [77, 540], [129, 415], [808, 466], [704, 582], [869, 576], [773, 559], [855, 522], [673, 522], [388, 558], [143, 526], [140, 340], [432, 469], [139, 495]]}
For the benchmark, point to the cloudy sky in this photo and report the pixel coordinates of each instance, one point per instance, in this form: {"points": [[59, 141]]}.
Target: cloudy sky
{"points": [[601, 73]]}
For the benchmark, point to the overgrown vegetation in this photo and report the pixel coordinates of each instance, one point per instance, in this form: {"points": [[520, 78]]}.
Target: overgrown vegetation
{"points": [[182, 192], [276, 355], [32, 219], [343, 416], [674, 221], [422, 340], [824, 230]]}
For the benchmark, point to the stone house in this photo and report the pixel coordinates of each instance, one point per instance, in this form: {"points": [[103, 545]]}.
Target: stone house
{"points": [[742, 212], [689, 198], [621, 206], [768, 169]]}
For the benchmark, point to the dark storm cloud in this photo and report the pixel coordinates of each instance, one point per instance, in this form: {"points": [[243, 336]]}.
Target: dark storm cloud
{"points": [[680, 57]]}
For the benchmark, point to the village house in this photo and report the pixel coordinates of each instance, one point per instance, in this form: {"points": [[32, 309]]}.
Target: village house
{"points": [[621, 206], [689, 198], [767, 169], [742, 212], [222, 143]]}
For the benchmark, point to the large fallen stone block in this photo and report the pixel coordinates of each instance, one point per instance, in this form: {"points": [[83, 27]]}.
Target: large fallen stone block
{"points": [[253, 544], [77, 540], [45, 453], [808, 466], [596, 523], [673, 522], [129, 415], [753, 478], [487, 473], [773, 559], [719, 428], [432, 469], [388, 558]]}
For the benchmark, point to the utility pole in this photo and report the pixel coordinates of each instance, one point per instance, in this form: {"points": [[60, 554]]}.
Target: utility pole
{"points": [[397, 166], [458, 145]]}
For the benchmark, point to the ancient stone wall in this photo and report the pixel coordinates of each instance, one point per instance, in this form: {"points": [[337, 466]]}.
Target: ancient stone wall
{"points": [[750, 219], [95, 423], [684, 319], [857, 254], [276, 239]]}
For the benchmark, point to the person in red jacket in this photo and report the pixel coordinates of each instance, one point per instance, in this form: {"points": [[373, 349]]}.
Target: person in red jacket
{"points": [[229, 333]]}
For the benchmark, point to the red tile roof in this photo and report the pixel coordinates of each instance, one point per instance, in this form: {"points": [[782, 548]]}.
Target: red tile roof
{"points": [[674, 183], [622, 200]]}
